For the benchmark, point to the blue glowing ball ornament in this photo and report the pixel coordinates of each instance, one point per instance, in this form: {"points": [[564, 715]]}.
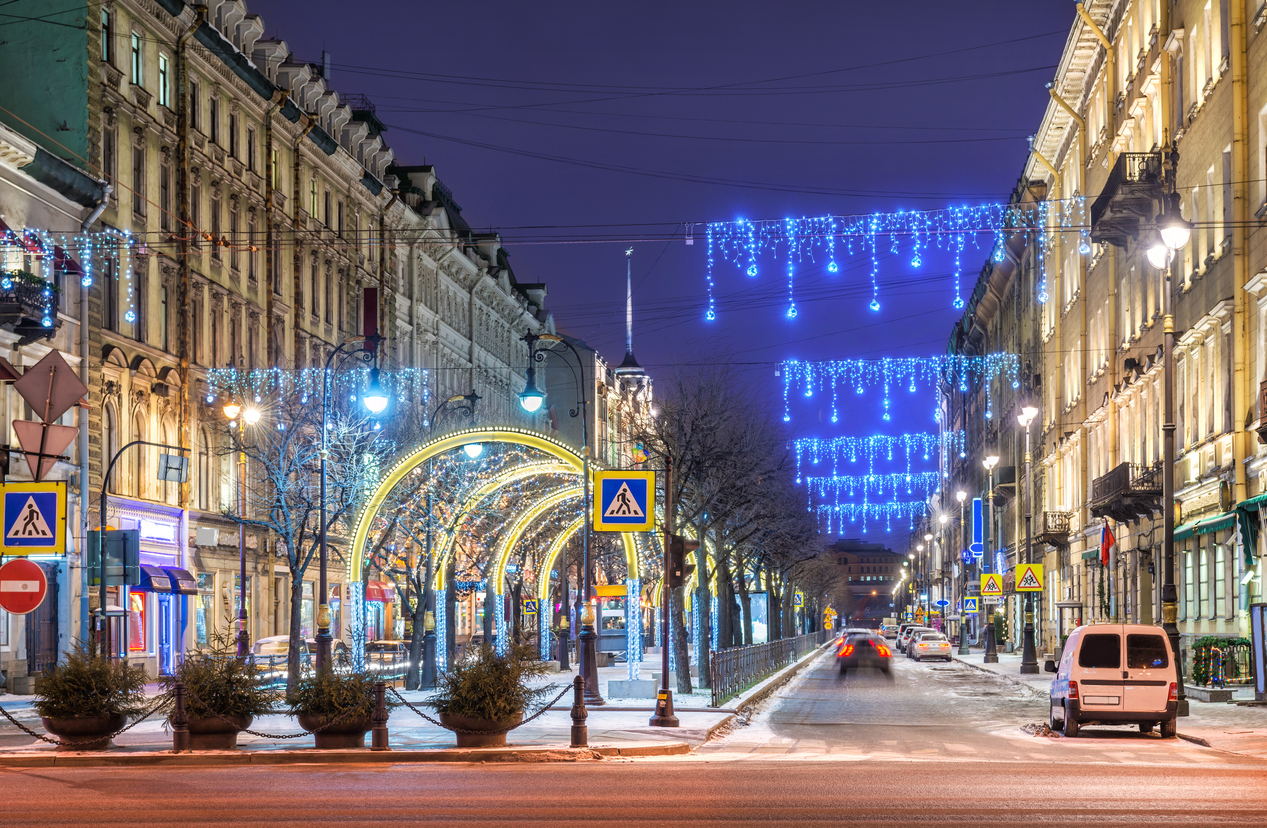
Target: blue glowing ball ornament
{"points": [[958, 303], [130, 316], [752, 270], [1083, 247], [6, 283], [875, 304], [86, 281], [710, 316], [832, 267], [916, 262], [791, 312], [46, 321]]}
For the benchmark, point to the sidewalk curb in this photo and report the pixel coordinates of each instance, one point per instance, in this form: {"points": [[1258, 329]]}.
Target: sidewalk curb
{"points": [[764, 688], [543, 753], [1197, 740], [1003, 676]]}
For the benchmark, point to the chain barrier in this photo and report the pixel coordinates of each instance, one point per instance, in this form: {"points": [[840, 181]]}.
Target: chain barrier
{"points": [[162, 700], [346, 714], [539, 712]]}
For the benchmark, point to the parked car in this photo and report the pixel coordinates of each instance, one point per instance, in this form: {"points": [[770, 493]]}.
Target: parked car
{"points": [[930, 644], [388, 657], [867, 650], [889, 630], [338, 652], [904, 639], [271, 657], [1112, 674]]}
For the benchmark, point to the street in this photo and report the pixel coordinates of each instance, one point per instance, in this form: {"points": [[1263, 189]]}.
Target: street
{"points": [[940, 744]]}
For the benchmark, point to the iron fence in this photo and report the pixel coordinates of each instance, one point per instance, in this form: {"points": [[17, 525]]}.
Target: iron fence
{"points": [[735, 670]]}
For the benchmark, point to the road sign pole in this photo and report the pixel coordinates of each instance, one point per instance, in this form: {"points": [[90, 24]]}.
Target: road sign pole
{"points": [[991, 648], [664, 700]]}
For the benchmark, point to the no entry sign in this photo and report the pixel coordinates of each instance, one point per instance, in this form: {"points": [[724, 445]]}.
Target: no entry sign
{"points": [[22, 586]]}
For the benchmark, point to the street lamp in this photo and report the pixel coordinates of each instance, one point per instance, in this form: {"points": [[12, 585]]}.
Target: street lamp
{"points": [[991, 648], [1029, 656], [961, 496], [531, 399], [239, 419], [375, 401]]}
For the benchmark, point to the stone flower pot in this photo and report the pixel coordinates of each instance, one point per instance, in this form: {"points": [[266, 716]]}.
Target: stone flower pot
{"points": [[483, 734], [95, 730], [214, 733], [349, 733]]}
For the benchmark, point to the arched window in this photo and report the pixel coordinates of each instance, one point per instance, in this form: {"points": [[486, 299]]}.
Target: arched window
{"points": [[203, 476], [139, 456], [110, 443]]}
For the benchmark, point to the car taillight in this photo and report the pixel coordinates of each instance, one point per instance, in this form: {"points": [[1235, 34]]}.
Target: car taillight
{"points": [[1174, 692], [1073, 689], [923, 643], [845, 650], [883, 651]]}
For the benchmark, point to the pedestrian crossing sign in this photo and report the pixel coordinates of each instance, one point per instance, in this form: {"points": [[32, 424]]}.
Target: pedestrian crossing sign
{"points": [[1029, 577], [530, 606], [625, 501], [992, 584], [34, 518], [970, 605]]}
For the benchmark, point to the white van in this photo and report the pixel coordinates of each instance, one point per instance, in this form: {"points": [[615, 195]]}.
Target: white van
{"points": [[1111, 674]]}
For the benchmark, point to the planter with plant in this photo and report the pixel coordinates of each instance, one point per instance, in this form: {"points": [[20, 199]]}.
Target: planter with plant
{"points": [[223, 695], [335, 705], [485, 694], [86, 698]]}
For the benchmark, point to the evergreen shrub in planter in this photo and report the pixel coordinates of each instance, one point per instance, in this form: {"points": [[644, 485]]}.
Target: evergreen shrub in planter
{"points": [[218, 682], [487, 692], [87, 697], [343, 698]]}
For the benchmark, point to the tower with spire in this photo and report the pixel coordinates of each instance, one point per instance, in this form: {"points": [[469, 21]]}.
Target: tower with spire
{"points": [[629, 367]]}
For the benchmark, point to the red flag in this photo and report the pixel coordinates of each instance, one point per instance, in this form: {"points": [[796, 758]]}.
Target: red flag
{"points": [[1106, 543]]}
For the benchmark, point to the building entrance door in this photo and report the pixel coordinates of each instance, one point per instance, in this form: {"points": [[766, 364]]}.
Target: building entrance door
{"points": [[41, 628], [166, 635]]}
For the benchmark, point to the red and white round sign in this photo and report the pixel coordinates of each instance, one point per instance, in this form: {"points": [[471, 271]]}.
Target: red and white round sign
{"points": [[22, 586]]}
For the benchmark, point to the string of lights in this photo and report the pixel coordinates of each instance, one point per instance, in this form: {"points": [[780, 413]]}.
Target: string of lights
{"points": [[836, 451], [870, 486], [34, 258], [909, 235], [833, 377], [833, 516]]}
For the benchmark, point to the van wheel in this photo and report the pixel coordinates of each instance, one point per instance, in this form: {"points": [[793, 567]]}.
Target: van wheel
{"points": [[1052, 721], [1169, 729], [1145, 727], [1070, 725]]}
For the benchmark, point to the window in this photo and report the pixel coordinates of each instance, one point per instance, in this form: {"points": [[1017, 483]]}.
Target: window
{"points": [[138, 456], [107, 36], [163, 309], [250, 149], [1189, 605], [233, 135], [1203, 583], [213, 118], [275, 169], [195, 230], [329, 295], [1146, 652], [193, 105], [252, 246], [138, 622], [110, 153], [235, 241], [1101, 651], [164, 98], [1220, 582], [195, 328], [215, 224], [110, 294], [138, 60], [138, 179], [339, 223], [325, 216], [110, 441], [140, 302], [204, 608], [312, 288], [312, 198], [165, 197]]}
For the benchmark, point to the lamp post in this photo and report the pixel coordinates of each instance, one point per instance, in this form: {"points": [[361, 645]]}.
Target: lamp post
{"points": [[375, 401], [531, 400], [944, 543], [1173, 233], [961, 496], [1029, 655], [239, 418], [991, 648]]}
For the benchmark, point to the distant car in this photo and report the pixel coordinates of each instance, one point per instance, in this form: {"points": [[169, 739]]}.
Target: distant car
{"points": [[271, 656], [930, 645], [888, 630], [867, 650], [904, 639], [857, 631], [338, 651], [387, 657]]}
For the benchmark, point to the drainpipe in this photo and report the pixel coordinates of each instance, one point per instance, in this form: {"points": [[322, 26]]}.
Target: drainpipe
{"points": [[84, 496], [106, 189], [270, 231], [1241, 398]]}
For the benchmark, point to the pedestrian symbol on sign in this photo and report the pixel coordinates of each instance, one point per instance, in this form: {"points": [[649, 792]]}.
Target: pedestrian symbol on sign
{"points": [[29, 525], [623, 504]]}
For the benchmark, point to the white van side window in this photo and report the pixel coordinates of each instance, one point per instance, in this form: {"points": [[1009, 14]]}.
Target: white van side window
{"points": [[1101, 650]]}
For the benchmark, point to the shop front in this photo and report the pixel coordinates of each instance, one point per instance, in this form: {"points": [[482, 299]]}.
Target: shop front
{"points": [[158, 617]]}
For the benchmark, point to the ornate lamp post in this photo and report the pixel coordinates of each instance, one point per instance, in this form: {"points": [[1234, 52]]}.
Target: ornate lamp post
{"points": [[531, 399], [1029, 654], [239, 419], [961, 496], [375, 400], [991, 648]]}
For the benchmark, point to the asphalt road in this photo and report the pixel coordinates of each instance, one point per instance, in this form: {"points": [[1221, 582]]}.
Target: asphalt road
{"points": [[932, 747]]}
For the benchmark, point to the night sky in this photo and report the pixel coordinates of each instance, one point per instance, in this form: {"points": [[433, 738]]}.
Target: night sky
{"points": [[579, 129]]}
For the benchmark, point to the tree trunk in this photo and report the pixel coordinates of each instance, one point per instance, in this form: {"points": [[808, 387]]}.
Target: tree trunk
{"points": [[682, 661], [745, 601], [489, 598], [724, 604], [703, 599], [413, 678], [294, 659]]}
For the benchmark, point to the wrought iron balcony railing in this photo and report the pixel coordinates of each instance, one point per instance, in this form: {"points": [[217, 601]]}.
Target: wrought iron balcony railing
{"points": [[1127, 492]]}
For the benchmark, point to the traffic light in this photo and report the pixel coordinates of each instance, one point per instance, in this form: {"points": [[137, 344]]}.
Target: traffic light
{"points": [[679, 569]]}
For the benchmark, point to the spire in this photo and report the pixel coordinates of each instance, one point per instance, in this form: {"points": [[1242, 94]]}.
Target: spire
{"points": [[629, 367]]}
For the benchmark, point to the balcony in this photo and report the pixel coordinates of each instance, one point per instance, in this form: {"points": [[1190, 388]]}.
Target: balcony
{"points": [[1053, 528], [1127, 198], [1127, 492], [24, 306]]}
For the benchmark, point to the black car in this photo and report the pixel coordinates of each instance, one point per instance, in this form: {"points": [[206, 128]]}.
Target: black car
{"points": [[871, 650]]}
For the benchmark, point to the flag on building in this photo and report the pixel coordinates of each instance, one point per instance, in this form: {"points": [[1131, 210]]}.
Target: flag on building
{"points": [[1106, 543]]}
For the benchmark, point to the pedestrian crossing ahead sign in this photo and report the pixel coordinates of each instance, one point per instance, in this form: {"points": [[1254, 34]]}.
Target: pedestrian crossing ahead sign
{"points": [[970, 605], [34, 518], [1029, 577], [624, 501]]}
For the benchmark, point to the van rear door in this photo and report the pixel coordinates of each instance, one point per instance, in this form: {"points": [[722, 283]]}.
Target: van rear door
{"points": [[1099, 671], [1148, 671]]}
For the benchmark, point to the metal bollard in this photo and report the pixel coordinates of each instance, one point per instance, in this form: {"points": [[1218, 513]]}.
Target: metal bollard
{"points": [[378, 718], [180, 721], [580, 733]]}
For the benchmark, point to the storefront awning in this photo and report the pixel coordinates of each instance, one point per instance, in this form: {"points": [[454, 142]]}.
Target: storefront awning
{"points": [[153, 579], [183, 583], [1205, 526], [379, 591]]}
